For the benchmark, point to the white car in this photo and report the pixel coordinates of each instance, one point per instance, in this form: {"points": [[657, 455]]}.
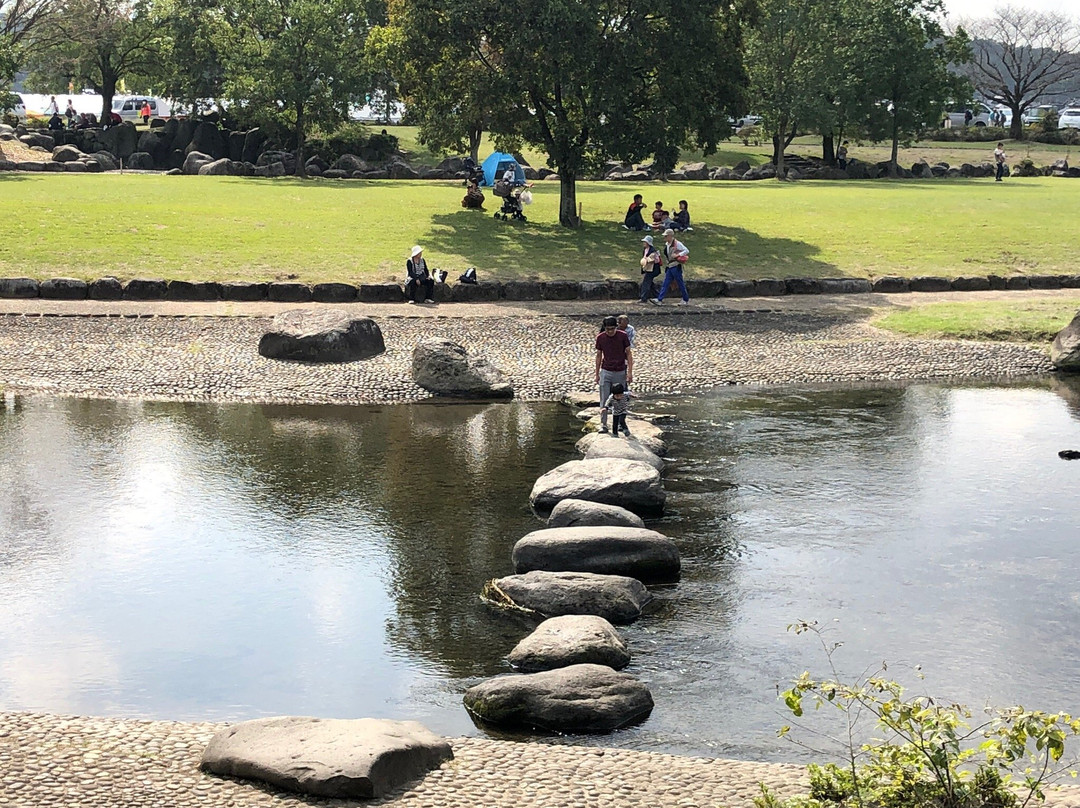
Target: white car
{"points": [[1036, 114], [13, 105], [1069, 118], [130, 107], [748, 120], [975, 115]]}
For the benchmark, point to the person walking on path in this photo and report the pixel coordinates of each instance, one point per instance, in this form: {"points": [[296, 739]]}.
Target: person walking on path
{"points": [[999, 160], [624, 325], [614, 358], [53, 108], [675, 255], [650, 269], [419, 285]]}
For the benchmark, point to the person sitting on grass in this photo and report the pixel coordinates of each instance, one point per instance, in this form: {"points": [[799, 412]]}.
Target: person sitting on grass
{"points": [[681, 220], [618, 404], [634, 220], [419, 286], [659, 216], [474, 197]]}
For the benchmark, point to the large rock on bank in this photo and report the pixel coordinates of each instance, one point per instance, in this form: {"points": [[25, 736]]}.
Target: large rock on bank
{"points": [[321, 335], [573, 639], [1065, 349], [616, 598], [632, 551], [445, 368], [582, 513], [343, 759], [580, 698], [628, 484]]}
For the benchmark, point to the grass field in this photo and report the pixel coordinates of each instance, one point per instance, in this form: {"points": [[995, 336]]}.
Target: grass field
{"points": [[1014, 321], [230, 228]]}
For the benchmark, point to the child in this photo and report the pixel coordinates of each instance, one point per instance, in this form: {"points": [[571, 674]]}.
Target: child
{"points": [[618, 404], [659, 216]]}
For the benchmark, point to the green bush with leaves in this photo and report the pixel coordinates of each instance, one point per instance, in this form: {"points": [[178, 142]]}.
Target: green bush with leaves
{"points": [[934, 754], [968, 134]]}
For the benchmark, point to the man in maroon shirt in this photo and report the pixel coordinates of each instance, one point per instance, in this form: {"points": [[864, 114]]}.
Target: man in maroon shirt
{"points": [[614, 359]]}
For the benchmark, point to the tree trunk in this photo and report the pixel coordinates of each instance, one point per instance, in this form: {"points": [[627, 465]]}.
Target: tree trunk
{"points": [[568, 216], [476, 132], [895, 146], [108, 89], [1016, 125], [301, 169], [828, 149]]}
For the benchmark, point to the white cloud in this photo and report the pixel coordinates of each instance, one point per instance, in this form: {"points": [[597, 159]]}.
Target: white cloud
{"points": [[982, 8]]}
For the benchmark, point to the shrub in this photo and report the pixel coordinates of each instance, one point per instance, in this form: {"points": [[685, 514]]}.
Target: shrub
{"points": [[1059, 137], [354, 138], [968, 134], [749, 135]]}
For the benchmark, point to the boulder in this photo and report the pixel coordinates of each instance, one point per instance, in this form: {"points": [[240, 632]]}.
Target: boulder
{"points": [[194, 161], [253, 143], [245, 291], [349, 163], [626, 448], [929, 283], [475, 292], [571, 639], [844, 286], [193, 290], [106, 160], [582, 513], [803, 286], [360, 758], [745, 288], [769, 287], [580, 698], [75, 168], [321, 335], [206, 139], [559, 290], [381, 293], [141, 161], [616, 598], [644, 433], [19, 287], [105, 289], [635, 552], [333, 292], [235, 142], [288, 292], [63, 289], [39, 139], [444, 368], [121, 140], [146, 289], [400, 170], [1065, 349], [696, 171], [522, 290], [219, 168], [67, 154], [971, 283], [891, 284], [629, 484]]}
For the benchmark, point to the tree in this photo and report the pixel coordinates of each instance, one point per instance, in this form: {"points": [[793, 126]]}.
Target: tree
{"points": [[906, 59], [1020, 55], [188, 67], [590, 80], [94, 43], [18, 21], [294, 62], [782, 68]]}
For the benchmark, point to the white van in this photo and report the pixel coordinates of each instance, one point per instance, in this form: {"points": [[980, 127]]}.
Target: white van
{"points": [[129, 107], [12, 104]]}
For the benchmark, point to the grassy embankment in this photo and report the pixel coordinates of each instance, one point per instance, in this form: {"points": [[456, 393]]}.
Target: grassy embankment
{"points": [[231, 228], [1006, 320]]}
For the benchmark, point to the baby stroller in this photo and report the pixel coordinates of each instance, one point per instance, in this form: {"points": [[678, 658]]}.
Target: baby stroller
{"points": [[511, 197]]}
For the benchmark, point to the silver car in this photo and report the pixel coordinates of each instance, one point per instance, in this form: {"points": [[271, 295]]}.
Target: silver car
{"points": [[975, 115]]}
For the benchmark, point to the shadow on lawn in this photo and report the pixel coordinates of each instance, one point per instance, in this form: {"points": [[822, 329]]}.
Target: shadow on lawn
{"points": [[597, 250]]}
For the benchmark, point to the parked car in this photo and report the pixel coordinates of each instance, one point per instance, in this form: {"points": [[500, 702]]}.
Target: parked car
{"points": [[748, 120], [1035, 114], [129, 107], [1069, 118], [12, 104], [974, 115]]}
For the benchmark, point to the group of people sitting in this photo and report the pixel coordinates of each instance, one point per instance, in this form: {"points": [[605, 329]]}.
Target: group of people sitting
{"points": [[661, 219]]}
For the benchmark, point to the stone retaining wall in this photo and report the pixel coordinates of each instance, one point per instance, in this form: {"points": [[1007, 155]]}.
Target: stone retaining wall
{"points": [[489, 291]]}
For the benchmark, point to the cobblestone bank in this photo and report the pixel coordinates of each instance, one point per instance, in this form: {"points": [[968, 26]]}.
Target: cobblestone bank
{"points": [[215, 358], [48, 760]]}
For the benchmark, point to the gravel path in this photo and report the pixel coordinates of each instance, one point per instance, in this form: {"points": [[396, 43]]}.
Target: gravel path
{"points": [[149, 354]]}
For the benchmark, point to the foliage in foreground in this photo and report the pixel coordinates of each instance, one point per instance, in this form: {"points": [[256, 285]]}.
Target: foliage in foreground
{"points": [[932, 754]]}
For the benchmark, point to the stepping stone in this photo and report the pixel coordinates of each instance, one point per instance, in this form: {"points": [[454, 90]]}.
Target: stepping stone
{"points": [[626, 448], [628, 484], [616, 598], [636, 552], [582, 513], [570, 640], [645, 434], [360, 758], [580, 698]]}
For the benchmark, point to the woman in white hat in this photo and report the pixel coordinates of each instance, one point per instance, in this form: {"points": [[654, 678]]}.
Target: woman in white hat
{"points": [[650, 268], [419, 285]]}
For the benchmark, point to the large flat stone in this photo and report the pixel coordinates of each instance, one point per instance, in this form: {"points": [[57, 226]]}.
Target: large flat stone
{"points": [[629, 484], [616, 598], [321, 335], [625, 448], [580, 698], [360, 758], [572, 639], [645, 433], [636, 552], [582, 513]]}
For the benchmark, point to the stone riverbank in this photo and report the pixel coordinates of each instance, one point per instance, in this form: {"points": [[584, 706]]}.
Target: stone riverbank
{"points": [[187, 352]]}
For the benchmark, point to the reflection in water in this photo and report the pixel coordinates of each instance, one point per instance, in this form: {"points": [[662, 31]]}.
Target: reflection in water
{"points": [[192, 561]]}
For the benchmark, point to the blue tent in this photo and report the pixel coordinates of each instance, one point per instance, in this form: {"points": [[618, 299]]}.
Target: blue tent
{"points": [[496, 164]]}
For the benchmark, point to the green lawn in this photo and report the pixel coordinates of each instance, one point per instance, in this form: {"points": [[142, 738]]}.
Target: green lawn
{"points": [[231, 228], [1014, 321]]}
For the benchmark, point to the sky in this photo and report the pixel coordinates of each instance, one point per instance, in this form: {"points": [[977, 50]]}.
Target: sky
{"points": [[982, 8]]}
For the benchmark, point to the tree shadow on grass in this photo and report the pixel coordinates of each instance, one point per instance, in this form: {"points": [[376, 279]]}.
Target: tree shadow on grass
{"points": [[515, 250]]}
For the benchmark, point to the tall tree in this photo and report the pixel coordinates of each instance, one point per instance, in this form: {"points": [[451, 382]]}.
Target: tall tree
{"points": [[19, 19], [188, 66], [1020, 55], [296, 62], [94, 43], [589, 80], [906, 60]]}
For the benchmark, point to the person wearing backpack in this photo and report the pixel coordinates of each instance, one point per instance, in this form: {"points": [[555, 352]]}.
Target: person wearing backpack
{"points": [[675, 255]]}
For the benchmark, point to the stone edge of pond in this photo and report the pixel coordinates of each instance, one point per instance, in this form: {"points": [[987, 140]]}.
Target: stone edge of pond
{"points": [[158, 289]]}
